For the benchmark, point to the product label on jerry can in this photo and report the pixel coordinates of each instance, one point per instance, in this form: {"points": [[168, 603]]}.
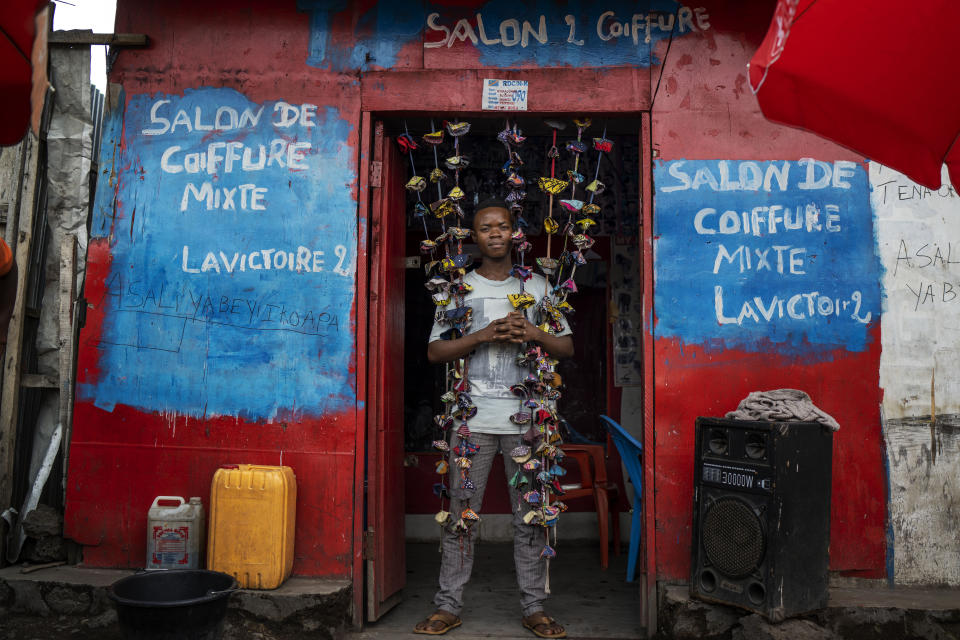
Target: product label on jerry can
{"points": [[170, 545]]}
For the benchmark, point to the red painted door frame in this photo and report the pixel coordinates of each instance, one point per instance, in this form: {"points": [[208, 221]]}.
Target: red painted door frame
{"points": [[386, 93]]}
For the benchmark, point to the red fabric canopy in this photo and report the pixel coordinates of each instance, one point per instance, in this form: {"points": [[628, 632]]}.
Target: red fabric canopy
{"points": [[17, 31], [881, 78]]}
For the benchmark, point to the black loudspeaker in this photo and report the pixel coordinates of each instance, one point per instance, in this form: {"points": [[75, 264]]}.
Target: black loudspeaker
{"points": [[761, 515]]}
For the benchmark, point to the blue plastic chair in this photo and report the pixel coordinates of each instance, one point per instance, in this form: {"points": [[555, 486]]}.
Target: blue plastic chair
{"points": [[631, 452]]}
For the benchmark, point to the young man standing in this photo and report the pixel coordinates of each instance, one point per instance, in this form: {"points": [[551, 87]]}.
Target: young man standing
{"points": [[492, 344]]}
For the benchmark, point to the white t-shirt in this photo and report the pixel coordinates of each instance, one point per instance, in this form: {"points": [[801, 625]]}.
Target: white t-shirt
{"points": [[493, 367]]}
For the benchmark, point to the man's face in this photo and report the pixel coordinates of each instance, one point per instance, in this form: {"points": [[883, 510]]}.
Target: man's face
{"points": [[492, 228]]}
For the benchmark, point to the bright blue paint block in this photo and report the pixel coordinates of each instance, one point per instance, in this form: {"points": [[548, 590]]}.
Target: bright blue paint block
{"points": [[212, 189], [753, 253], [514, 33]]}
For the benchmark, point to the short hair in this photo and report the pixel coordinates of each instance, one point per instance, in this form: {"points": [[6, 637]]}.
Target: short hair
{"points": [[489, 203]]}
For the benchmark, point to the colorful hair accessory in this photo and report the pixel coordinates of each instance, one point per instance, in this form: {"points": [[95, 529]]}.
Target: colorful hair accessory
{"points": [[562, 506], [439, 489], [576, 146], [406, 142], [557, 471], [463, 430], [463, 462], [568, 285], [548, 552], [469, 515], [419, 210], [456, 194], [519, 390], [467, 484], [596, 187], [464, 400], [426, 246], [515, 180], [531, 435], [442, 208], [531, 465], [441, 445], [518, 479], [521, 300], [520, 417], [434, 137], [416, 183], [456, 162], [603, 145], [531, 516], [465, 413], [582, 123], [586, 223], [459, 233], [516, 196], [550, 225], [443, 421], [582, 241], [575, 177], [457, 129], [442, 517], [441, 299], [437, 175], [590, 209], [572, 205], [550, 512], [579, 258], [442, 467], [552, 185], [547, 265], [467, 448], [553, 153], [521, 272], [532, 497], [520, 454], [543, 477]]}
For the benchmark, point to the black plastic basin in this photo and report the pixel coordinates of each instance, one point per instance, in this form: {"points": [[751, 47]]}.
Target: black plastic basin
{"points": [[182, 604]]}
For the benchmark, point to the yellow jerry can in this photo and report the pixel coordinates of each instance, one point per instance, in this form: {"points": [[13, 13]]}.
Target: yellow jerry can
{"points": [[252, 523]]}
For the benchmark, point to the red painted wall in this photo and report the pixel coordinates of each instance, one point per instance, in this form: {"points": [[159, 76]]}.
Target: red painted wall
{"points": [[122, 458], [705, 110]]}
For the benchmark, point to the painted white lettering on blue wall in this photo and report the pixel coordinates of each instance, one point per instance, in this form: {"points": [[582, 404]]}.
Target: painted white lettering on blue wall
{"points": [[232, 258], [782, 251]]}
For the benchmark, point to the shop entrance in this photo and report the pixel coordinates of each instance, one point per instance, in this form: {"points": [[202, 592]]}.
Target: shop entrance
{"points": [[404, 389]]}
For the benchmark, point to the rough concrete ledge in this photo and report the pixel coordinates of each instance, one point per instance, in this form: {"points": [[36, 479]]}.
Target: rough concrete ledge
{"points": [[853, 613], [72, 602]]}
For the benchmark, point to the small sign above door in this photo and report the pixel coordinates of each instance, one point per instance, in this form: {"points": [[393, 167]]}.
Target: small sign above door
{"points": [[504, 95]]}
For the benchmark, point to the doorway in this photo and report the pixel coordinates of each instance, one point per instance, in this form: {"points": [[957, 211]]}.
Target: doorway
{"points": [[593, 378]]}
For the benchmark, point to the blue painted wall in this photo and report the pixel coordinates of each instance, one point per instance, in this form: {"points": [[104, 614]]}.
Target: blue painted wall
{"points": [[233, 247], [501, 33], [752, 253]]}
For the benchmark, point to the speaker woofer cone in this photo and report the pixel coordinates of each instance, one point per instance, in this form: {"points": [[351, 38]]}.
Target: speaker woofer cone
{"points": [[732, 537]]}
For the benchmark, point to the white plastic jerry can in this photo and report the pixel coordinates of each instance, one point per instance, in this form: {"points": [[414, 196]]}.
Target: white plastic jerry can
{"points": [[175, 533]]}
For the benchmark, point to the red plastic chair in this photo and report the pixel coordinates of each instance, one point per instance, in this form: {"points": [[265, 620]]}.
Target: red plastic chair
{"points": [[594, 483]]}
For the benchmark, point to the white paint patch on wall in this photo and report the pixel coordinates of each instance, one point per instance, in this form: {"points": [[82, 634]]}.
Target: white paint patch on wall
{"points": [[918, 237]]}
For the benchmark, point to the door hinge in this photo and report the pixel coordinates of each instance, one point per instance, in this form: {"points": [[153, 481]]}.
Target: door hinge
{"points": [[376, 173], [369, 548]]}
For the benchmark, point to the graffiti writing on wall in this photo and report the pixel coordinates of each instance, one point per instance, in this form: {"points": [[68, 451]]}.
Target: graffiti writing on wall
{"points": [[502, 33], [232, 246], [751, 251]]}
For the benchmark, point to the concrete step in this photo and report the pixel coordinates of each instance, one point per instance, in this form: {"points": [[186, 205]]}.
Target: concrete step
{"points": [[863, 612], [73, 600]]}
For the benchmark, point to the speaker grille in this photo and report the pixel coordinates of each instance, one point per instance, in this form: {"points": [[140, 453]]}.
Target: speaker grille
{"points": [[732, 537]]}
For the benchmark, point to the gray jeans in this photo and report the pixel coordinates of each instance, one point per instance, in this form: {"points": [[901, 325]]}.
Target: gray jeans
{"points": [[528, 540]]}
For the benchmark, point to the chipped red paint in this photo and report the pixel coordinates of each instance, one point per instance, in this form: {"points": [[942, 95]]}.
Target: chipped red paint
{"points": [[121, 459], [691, 382]]}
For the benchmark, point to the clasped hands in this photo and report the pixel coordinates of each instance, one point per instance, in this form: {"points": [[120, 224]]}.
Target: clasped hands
{"points": [[514, 327]]}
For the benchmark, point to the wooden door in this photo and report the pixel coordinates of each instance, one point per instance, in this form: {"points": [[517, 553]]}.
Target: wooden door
{"points": [[385, 539]]}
